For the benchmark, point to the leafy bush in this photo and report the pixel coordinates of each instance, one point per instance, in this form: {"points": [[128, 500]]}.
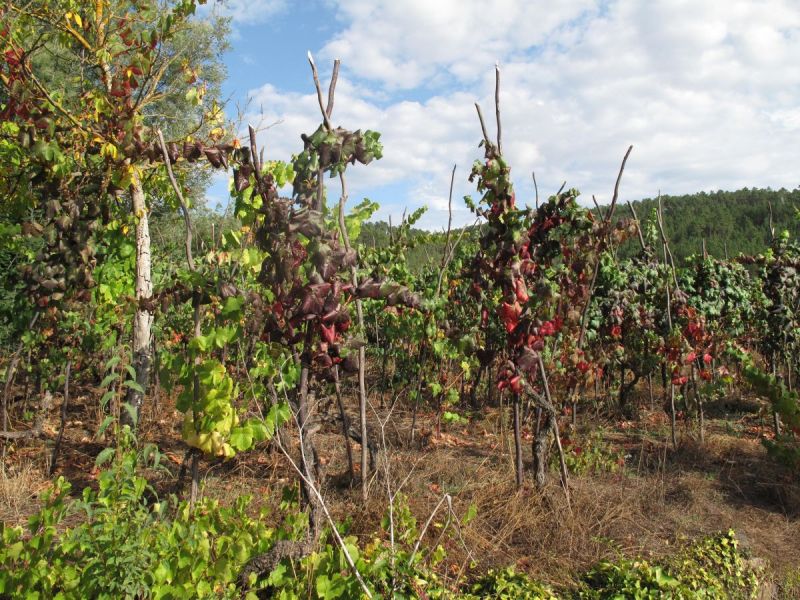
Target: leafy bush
{"points": [[711, 568], [127, 547], [591, 454], [784, 448], [507, 584], [400, 570]]}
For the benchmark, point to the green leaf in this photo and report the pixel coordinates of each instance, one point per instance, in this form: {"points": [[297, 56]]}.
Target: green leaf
{"points": [[106, 398], [14, 550], [241, 439], [104, 425], [108, 379], [113, 362], [105, 455], [132, 412], [232, 307], [134, 386], [472, 510]]}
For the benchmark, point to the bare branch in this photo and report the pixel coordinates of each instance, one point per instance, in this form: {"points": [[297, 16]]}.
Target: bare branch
{"points": [[610, 213], [332, 86], [317, 85], [184, 208], [446, 252], [497, 107], [445, 498], [483, 124], [11, 370], [313, 488], [771, 223], [638, 226], [551, 409], [64, 402], [597, 206]]}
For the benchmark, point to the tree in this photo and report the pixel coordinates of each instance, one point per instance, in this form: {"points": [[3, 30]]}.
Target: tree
{"points": [[83, 86]]}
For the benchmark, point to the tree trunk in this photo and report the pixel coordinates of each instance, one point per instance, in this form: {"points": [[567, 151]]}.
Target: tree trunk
{"points": [[701, 420], [541, 447], [345, 424], [362, 355], [625, 389], [776, 418], [517, 442], [308, 452], [473, 393], [143, 320], [672, 424]]}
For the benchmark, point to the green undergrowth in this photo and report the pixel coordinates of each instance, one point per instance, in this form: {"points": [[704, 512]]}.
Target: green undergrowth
{"points": [[710, 568], [127, 544]]}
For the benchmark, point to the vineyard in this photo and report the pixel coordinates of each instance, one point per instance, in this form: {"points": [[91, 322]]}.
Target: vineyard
{"points": [[264, 404]]}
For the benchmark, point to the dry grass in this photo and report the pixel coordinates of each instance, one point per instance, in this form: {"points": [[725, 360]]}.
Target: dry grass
{"points": [[660, 501], [662, 498], [20, 484]]}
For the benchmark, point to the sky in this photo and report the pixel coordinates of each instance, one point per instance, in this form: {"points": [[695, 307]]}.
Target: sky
{"points": [[706, 91]]}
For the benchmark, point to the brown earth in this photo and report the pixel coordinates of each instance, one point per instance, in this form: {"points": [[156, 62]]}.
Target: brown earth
{"points": [[659, 500]]}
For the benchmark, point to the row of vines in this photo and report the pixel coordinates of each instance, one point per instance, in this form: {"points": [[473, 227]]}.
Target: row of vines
{"points": [[283, 320]]}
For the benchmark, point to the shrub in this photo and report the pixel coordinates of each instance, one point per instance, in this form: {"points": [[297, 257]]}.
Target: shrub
{"points": [[591, 454], [711, 568], [127, 547]]}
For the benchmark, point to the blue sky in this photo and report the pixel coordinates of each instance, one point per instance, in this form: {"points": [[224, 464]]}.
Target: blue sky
{"points": [[707, 91]]}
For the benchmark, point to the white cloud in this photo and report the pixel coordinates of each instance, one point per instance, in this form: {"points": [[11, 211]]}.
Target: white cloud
{"points": [[421, 140], [405, 44], [707, 91], [244, 12]]}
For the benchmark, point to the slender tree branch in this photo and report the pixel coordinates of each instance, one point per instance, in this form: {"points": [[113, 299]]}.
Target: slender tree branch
{"points": [[57, 445], [184, 208], [11, 371], [318, 497], [497, 107], [362, 356], [610, 212], [453, 249], [551, 409], [483, 124], [317, 85], [52, 101], [638, 226], [446, 252], [332, 87], [598, 207], [444, 498]]}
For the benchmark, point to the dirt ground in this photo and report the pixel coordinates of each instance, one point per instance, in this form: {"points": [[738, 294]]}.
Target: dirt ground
{"points": [[660, 499]]}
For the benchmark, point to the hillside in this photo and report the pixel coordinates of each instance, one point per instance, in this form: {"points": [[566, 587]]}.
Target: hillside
{"points": [[734, 222]]}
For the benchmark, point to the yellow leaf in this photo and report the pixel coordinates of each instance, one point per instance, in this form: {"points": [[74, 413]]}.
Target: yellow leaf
{"points": [[78, 21], [125, 230], [109, 150]]}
